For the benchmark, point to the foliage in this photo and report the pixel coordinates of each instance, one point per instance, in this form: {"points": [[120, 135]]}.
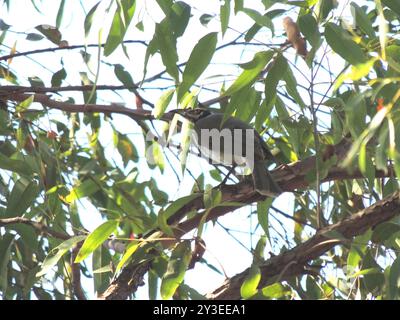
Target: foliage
{"points": [[60, 165]]}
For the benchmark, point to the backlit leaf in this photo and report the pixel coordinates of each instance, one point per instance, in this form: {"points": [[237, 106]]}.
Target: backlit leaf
{"points": [[96, 238]]}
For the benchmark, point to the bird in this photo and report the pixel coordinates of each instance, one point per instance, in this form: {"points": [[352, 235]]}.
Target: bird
{"points": [[245, 146]]}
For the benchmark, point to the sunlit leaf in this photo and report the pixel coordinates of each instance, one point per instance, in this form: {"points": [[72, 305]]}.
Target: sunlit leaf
{"points": [[251, 72], [130, 250], [122, 18], [250, 283], [57, 253], [96, 238], [85, 189], [177, 265], [163, 102]]}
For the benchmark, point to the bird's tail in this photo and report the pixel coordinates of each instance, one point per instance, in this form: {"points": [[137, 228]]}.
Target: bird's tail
{"points": [[263, 181]]}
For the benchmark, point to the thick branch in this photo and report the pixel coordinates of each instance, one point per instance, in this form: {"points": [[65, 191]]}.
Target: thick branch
{"points": [[76, 274], [294, 262], [289, 177], [36, 225], [23, 89], [135, 114]]}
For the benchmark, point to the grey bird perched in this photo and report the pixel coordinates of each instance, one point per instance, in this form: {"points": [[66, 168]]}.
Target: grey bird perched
{"points": [[244, 145]]}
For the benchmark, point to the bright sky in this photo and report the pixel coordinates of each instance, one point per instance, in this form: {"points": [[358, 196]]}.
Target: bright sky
{"points": [[222, 249]]}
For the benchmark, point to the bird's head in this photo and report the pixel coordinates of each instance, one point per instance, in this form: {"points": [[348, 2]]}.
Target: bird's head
{"points": [[192, 114]]}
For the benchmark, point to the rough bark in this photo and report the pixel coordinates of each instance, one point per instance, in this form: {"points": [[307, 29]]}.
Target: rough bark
{"points": [[295, 261]]}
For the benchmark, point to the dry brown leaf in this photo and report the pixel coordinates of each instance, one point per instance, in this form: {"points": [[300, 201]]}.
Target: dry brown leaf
{"points": [[294, 36]]}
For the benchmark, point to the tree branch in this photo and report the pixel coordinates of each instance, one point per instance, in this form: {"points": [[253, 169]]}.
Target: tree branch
{"points": [[36, 225], [80, 46], [76, 274], [135, 114], [295, 261], [23, 89], [289, 177]]}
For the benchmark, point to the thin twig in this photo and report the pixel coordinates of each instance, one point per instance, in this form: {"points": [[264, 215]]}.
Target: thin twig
{"points": [[72, 47]]}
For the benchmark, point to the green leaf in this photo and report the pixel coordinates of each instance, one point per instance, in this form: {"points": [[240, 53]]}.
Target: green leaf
{"points": [[89, 19], [212, 198], [178, 204], [96, 239], [251, 72], [122, 18], [18, 166], [361, 19], [394, 279], [198, 61], [177, 266], [309, 27], [167, 46], [162, 103], [179, 17], [153, 284], [187, 129], [56, 254], [252, 32], [127, 150], [238, 6], [263, 214], [250, 283], [325, 7], [34, 37], [357, 251], [85, 189], [259, 250], [275, 74], [384, 231], [36, 82], [275, 291], [4, 26], [60, 14], [393, 5], [58, 77], [162, 222], [102, 268], [225, 12], [22, 197], [380, 150], [129, 251], [6, 243], [291, 87], [357, 72], [261, 20], [123, 76], [366, 165], [205, 19], [165, 5], [50, 32], [341, 42], [22, 106]]}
